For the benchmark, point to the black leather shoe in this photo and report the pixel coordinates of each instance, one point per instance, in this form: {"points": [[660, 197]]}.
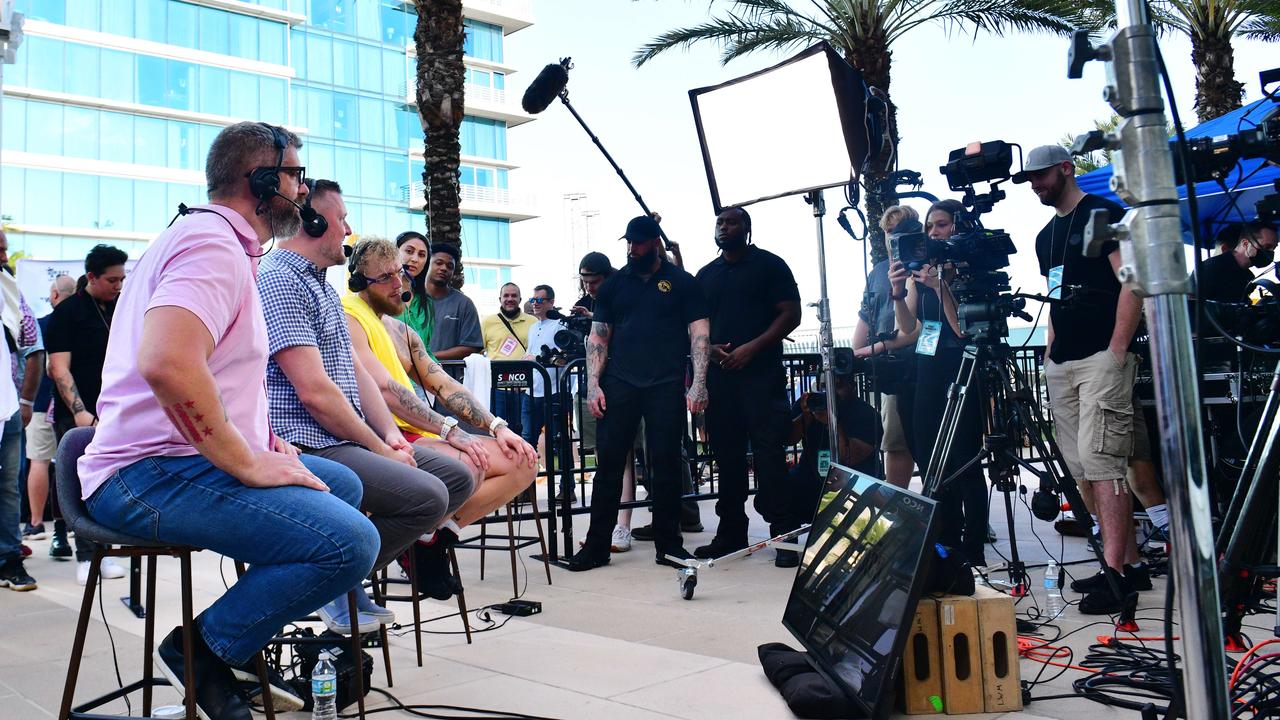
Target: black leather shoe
{"points": [[1137, 577], [787, 559], [719, 547], [587, 559], [216, 695], [644, 533], [679, 552], [1104, 602], [283, 697]]}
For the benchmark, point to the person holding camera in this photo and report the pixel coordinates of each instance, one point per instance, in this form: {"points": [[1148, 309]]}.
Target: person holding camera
{"points": [[754, 303], [877, 314], [1089, 367], [542, 342], [646, 318], [859, 428], [925, 313]]}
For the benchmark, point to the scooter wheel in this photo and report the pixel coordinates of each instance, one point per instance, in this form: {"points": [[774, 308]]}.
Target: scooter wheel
{"points": [[687, 586]]}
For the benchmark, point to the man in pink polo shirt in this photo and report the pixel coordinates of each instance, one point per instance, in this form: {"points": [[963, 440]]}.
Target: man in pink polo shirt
{"points": [[183, 452]]}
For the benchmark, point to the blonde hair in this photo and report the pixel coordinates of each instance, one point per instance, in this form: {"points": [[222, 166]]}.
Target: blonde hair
{"points": [[896, 214], [372, 247]]}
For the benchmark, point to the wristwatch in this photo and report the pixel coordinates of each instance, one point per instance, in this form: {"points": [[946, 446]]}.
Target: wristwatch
{"points": [[446, 426], [497, 423]]}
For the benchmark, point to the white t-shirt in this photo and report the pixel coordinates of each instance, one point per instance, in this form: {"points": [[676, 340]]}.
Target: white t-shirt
{"points": [[542, 333]]}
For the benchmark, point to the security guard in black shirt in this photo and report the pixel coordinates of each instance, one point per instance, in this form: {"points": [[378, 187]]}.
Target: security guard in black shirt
{"points": [[647, 316], [754, 304]]}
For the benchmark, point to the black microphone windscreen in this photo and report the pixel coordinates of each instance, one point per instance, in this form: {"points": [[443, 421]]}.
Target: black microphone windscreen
{"points": [[545, 88], [406, 296], [346, 250]]}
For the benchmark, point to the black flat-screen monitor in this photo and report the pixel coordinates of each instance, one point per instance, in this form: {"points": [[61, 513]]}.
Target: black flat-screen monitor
{"points": [[858, 583]]}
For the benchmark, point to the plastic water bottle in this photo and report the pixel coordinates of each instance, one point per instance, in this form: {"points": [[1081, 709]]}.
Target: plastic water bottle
{"points": [[1054, 604], [324, 689]]}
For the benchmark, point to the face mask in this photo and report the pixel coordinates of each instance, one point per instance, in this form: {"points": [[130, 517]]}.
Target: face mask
{"points": [[731, 242], [1263, 258], [642, 263]]}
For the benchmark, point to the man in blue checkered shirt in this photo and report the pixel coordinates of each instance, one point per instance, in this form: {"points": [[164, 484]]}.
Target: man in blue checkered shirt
{"points": [[325, 403]]}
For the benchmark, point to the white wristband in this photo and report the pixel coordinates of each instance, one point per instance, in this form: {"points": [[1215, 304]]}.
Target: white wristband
{"points": [[28, 403], [497, 423], [446, 426]]}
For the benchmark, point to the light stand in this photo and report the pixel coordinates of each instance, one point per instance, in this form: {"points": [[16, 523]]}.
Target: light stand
{"points": [[825, 338], [1154, 267]]}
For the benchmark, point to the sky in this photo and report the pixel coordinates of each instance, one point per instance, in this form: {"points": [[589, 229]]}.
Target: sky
{"points": [[951, 88]]}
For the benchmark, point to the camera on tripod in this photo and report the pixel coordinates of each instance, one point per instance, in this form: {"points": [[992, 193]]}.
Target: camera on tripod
{"points": [[570, 340]]}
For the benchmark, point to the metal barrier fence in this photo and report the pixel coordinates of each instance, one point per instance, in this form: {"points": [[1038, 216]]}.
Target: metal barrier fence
{"points": [[568, 465]]}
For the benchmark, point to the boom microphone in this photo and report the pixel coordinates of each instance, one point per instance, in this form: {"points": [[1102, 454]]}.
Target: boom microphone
{"points": [[546, 87]]}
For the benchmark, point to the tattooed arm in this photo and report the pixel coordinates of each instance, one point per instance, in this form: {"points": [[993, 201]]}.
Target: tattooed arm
{"points": [[597, 358], [699, 344], [173, 358], [402, 401], [438, 382], [60, 374]]}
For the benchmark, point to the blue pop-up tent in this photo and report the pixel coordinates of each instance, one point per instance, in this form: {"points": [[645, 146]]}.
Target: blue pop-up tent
{"points": [[1247, 183]]}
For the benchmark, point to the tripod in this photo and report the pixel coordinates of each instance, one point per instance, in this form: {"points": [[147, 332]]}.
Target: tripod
{"points": [[1247, 538], [1010, 416]]}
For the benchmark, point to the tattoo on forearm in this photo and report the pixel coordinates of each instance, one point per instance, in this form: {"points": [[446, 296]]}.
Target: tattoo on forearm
{"points": [[411, 404], [699, 348], [190, 424], [467, 408], [70, 394], [597, 351]]}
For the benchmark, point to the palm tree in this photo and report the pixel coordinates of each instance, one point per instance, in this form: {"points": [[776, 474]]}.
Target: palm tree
{"points": [[1211, 25], [1098, 158], [863, 31], [440, 76]]}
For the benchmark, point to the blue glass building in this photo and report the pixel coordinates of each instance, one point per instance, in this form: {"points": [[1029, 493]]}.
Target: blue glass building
{"points": [[111, 105]]}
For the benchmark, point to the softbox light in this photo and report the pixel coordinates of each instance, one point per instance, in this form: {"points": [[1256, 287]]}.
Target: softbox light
{"points": [[796, 127]]}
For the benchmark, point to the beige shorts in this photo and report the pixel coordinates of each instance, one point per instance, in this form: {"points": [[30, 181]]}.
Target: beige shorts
{"points": [[895, 438], [42, 444], [1093, 413]]}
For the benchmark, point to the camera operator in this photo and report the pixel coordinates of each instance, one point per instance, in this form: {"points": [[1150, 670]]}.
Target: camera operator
{"points": [[925, 311], [1089, 369], [635, 368], [877, 312], [754, 303], [542, 341], [1224, 277], [859, 427]]}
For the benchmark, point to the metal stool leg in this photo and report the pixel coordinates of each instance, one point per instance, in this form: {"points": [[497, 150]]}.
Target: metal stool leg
{"points": [[82, 628], [188, 637], [484, 536], [357, 655], [542, 539], [462, 596], [149, 636], [417, 604], [382, 629], [511, 550]]}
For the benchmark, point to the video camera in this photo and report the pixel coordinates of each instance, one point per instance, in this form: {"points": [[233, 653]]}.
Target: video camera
{"points": [[978, 254], [570, 340]]}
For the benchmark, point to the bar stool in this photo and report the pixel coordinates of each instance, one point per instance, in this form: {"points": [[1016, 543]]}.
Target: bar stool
{"points": [[380, 586], [514, 543], [78, 521]]}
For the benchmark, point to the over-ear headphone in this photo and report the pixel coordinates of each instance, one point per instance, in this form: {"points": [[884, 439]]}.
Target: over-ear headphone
{"points": [[356, 281], [264, 182], [313, 223]]}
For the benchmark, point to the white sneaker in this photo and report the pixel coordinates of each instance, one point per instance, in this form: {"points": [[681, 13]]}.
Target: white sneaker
{"points": [[109, 570], [621, 541]]}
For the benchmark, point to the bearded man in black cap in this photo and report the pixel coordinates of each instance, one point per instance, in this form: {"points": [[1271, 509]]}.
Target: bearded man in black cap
{"points": [[647, 316], [754, 304]]}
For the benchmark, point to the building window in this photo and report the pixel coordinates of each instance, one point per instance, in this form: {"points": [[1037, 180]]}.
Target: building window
{"points": [[483, 40]]}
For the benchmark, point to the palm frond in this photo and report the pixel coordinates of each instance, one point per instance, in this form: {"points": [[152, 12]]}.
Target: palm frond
{"points": [[999, 17], [1264, 29], [757, 25]]}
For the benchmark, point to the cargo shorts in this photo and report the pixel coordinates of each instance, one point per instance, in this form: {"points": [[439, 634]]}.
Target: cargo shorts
{"points": [[1094, 414]]}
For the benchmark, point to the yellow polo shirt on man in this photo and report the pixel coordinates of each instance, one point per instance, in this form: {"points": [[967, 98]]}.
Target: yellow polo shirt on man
{"points": [[500, 343]]}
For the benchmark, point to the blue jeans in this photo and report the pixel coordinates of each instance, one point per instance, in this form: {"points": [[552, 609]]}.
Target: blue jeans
{"points": [[303, 547], [513, 406], [10, 510]]}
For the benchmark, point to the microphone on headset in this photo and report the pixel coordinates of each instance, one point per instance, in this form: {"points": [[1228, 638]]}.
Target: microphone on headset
{"points": [[546, 87]]}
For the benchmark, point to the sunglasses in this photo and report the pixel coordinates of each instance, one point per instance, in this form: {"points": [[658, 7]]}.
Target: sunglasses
{"points": [[539, 301]]}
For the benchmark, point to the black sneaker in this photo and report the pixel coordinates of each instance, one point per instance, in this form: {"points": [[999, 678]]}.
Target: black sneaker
{"points": [[679, 552], [217, 697], [60, 549], [691, 526], [431, 562], [14, 576], [786, 559], [1104, 602], [283, 698], [34, 532], [586, 559], [718, 547], [643, 533], [1136, 577]]}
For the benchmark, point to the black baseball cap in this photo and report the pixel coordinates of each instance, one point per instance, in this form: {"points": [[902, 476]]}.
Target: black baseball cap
{"points": [[642, 228], [595, 263]]}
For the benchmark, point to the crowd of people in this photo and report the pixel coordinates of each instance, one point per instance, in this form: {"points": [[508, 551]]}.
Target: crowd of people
{"points": [[241, 404]]}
